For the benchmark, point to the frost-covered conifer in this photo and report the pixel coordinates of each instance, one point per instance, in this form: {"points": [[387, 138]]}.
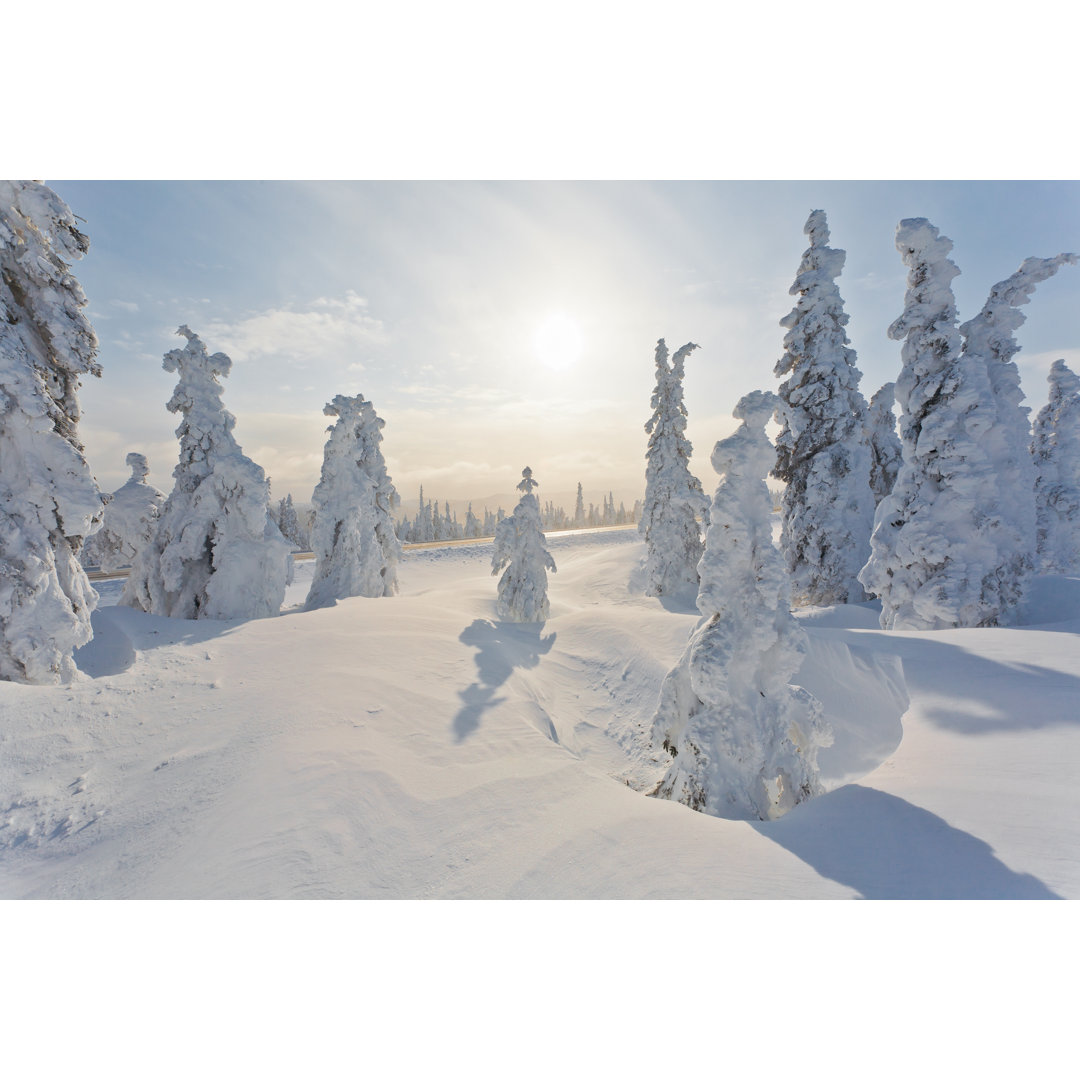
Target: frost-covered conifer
{"points": [[130, 518], [49, 500], [521, 554], [990, 337], [424, 529], [822, 451], [472, 525], [579, 509], [744, 741], [356, 548], [216, 552], [1056, 450], [885, 450], [935, 550], [289, 523], [674, 498]]}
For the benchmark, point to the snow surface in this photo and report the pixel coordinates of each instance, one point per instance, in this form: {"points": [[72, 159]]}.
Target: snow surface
{"points": [[415, 747]]}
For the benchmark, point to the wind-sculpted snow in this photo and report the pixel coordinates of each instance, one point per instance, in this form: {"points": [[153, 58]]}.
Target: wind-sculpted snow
{"points": [[356, 548], [49, 501], [216, 552], [743, 739], [822, 451], [487, 760]]}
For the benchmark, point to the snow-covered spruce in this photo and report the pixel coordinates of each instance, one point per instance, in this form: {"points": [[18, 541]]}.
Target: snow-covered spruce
{"points": [[935, 546], [356, 547], [216, 552], [130, 518], [885, 450], [49, 500], [990, 337], [289, 522], [520, 553], [744, 741], [674, 498], [1056, 450], [822, 451]]}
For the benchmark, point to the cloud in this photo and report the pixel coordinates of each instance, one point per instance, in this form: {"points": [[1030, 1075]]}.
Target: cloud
{"points": [[327, 329], [125, 305]]}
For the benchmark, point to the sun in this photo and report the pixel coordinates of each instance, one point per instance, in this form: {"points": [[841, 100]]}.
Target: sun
{"points": [[558, 342]]}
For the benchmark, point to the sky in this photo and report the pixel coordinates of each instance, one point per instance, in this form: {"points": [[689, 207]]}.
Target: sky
{"points": [[501, 324]]}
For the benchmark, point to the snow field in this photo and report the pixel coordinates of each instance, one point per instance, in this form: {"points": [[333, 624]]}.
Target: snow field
{"points": [[415, 747]]}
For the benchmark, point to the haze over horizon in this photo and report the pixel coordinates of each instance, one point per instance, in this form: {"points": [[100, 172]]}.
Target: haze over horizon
{"points": [[499, 324]]}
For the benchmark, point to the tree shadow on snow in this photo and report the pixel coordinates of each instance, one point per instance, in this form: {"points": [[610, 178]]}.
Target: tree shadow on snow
{"points": [[970, 694], [888, 849], [503, 646]]}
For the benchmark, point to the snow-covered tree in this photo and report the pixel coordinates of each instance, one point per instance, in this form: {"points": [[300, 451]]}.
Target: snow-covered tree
{"points": [[822, 451], [579, 509], [1056, 450], [216, 552], [356, 547], [935, 549], [674, 498], [472, 525], [130, 518], [519, 552], [424, 527], [990, 337], [49, 500], [289, 523], [885, 451], [744, 742]]}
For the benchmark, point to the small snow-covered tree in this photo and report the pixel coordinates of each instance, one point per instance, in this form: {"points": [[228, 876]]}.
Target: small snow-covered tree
{"points": [[885, 451], [49, 500], [289, 523], [424, 527], [744, 742], [356, 547], [990, 337], [1056, 450], [822, 451], [674, 498], [935, 547], [216, 552], [520, 552], [130, 518]]}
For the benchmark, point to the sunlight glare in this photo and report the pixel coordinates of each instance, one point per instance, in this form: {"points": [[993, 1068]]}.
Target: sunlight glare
{"points": [[558, 342]]}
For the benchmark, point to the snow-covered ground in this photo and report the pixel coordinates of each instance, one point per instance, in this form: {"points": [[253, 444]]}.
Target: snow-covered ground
{"points": [[415, 747]]}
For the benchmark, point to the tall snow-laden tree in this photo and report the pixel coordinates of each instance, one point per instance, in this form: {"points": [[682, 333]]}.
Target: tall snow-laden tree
{"points": [[822, 451], [49, 500], [935, 546], [130, 517], [744, 742], [990, 337], [216, 552], [579, 509], [885, 450], [1056, 450], [356, 548], [520, 552], [674, 498]]}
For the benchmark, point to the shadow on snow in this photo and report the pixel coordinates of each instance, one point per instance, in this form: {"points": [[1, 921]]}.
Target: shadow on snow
{"points": [[888, 849], [503, 646]]}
